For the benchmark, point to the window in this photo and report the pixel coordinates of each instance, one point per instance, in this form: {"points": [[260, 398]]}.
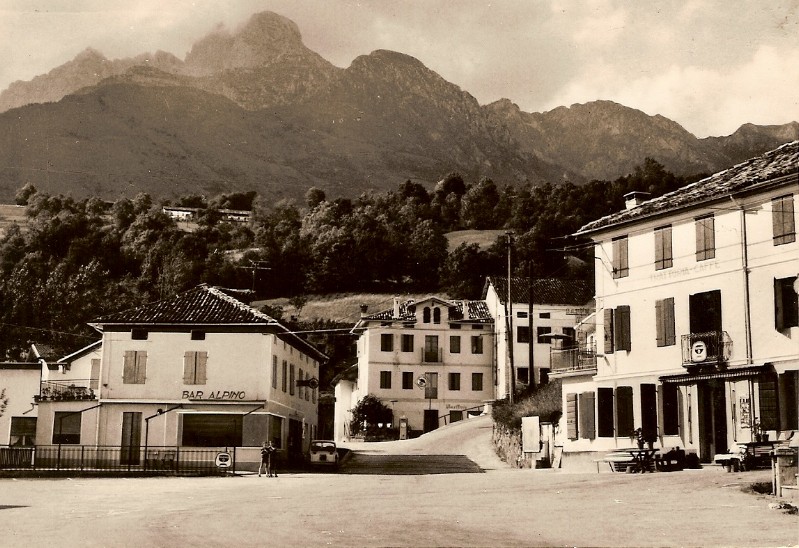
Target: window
{"points": [[621, 329], [782, 218], [671, 409], [426, 315], [477, 344], [138, 334], [789, 388], [621, 265], [454, 344], [301, 378], [431, 348], [431, 387], [386, 342], [23, 431], [194, 367], [521, 315], [274, 371], [455, 326], [523, 374], [276, 431], [66, 427], [624, 411], [477, 326], [292, 379], [211, 430], [769, 414], [285, 375], [454, 381], [586, 415], [544, 315], [664, 322], [523, 334], [704, 312], [543, 376], [135, 368], [705, 238], [407, 380], [570, 333], [436, 315], [663, 256], [407, 343], [197, 335], [477, 382], [541, 333], [786, 304], [604, 404], [385, 380]]}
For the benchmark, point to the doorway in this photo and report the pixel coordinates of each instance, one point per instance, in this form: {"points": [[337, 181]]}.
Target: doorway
{"points": [[712, 401], [430, 420], [131, 438]]}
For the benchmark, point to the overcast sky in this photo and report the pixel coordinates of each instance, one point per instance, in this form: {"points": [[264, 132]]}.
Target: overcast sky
{"points": [[710, 65]]}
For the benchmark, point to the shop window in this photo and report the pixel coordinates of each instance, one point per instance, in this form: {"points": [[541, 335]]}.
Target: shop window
{"points": [[664, 322], [407, 380], [786, 304], [604, 403], [587, 428], [407, 343], [194, 367], [23, 431], [783, 221], [66, 427], [477, 382], [705, 238], [454, 381], [621, 265], [386, 342], [663, 255], [624, 411], [211, 430], [385, 380], [276, 431], [135, 367]]}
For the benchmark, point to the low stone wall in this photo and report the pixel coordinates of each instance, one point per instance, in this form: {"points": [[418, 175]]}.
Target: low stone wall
{"points": [[508, 446]]}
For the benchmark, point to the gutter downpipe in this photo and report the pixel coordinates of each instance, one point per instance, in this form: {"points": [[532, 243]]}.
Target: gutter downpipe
{"points": [[745, 266]]}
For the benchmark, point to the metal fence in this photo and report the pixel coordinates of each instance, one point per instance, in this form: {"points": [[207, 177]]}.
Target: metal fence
{"points": [[168, 460]]}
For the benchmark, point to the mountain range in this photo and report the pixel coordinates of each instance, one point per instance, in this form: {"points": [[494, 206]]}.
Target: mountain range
{"points": [[255, 109]]}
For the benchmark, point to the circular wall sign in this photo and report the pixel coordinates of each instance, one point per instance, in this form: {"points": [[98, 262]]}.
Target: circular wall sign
{"points": [[698, 351], [421, 382]]}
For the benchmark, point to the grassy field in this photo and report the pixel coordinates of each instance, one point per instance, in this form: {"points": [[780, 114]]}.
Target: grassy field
{"points": [[10, 214], [483, 238]]}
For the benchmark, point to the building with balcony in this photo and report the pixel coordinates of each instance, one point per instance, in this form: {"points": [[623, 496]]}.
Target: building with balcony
{"points": [[431, 361], [555, 306], [696, 316], [199, 370]]}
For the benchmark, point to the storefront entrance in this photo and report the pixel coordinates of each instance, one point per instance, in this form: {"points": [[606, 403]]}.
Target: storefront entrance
{"points": [[712, 401]]}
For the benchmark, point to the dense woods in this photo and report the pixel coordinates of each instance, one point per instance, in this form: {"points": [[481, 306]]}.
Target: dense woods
{"points": [[75, 260]]}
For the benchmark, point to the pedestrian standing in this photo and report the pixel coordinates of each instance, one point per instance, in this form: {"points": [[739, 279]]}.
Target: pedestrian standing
{"points": [[265, 458], [271, 462]]}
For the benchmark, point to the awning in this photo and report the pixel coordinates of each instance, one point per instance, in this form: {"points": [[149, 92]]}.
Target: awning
{"points": [[737, 373]]}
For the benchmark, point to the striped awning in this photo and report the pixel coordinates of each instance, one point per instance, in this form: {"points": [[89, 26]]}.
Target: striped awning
{"points": [[737, 373]]}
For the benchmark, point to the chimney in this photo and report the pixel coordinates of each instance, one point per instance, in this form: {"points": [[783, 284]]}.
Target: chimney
{"points": [[364, 310], [466, 315], [635, 198], [396, 307]]}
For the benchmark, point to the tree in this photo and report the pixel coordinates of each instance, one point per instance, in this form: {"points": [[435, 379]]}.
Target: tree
{"points": [[23, 195], [368, 413], [314, 197], [3, 401]]}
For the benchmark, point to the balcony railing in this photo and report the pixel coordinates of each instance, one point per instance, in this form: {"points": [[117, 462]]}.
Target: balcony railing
{"points": [[71, 390], [708, 348], [433, 355], [582, 358]]}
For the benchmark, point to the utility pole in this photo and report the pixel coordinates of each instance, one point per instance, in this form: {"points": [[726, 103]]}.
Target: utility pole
{"points": [[531, 341], [509, 324]]}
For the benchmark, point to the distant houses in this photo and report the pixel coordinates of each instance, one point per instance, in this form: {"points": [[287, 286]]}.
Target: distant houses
{"points": [[187, 214]]}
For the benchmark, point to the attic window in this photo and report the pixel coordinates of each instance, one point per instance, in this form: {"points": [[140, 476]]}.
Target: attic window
{"points": [[139, 334], [197, 335], [454, 326]]}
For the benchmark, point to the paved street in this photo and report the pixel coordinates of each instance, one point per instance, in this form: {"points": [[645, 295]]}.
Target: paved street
{"points": [[479, 506]]}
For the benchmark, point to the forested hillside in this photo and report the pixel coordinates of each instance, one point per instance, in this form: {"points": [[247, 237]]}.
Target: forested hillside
{"points": [[72, 261]]}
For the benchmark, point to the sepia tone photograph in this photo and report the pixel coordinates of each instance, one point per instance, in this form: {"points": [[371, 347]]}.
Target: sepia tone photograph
{"points": [[416, 273]]}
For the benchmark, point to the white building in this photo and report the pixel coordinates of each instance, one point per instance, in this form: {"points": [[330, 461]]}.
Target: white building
{"points": [[556, 306], [201, 369], [446, 346], [696, 310]]}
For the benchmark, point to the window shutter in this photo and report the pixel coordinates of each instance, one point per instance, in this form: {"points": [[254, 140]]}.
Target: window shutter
{"points": [[649, 413], [585, 414], [129, 369], [621, 329], [680, 412], [660, 327], [188, 367], [94, 382], [605, 412], [671, 330], [661, 418], [571, 416], [658, 248], [141, 367], [608, 328], [624, 410], [202, 361]]}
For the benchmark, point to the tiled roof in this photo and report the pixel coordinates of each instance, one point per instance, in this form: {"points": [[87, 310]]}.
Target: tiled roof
{"points": [[198, 306], [749, 175], [545, 290], [478, 311]]}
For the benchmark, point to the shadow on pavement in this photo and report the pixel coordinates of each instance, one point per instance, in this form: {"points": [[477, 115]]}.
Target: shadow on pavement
{"points": [[360, 463]]}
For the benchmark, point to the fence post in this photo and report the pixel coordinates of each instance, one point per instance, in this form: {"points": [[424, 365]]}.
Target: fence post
{"points": [[58, 458]]}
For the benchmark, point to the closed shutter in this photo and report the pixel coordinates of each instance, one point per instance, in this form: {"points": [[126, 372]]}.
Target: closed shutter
{"points": [[202, 361], [660, 324], [586, 416], [621, 328], [624, 410], [779, 307], [141, 367], [129, 368], [604, 412], [94, 382], [571, 416], [649, 413], [668, 318], [188, 367], [608, 328]]}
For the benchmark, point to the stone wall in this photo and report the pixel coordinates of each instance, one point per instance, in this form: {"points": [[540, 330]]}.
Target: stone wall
{"points": [[508, 446]]}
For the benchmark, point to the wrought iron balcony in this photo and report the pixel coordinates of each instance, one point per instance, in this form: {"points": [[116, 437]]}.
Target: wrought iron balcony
{"points": [[71, 390], [576, 358], [711, 348]]}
